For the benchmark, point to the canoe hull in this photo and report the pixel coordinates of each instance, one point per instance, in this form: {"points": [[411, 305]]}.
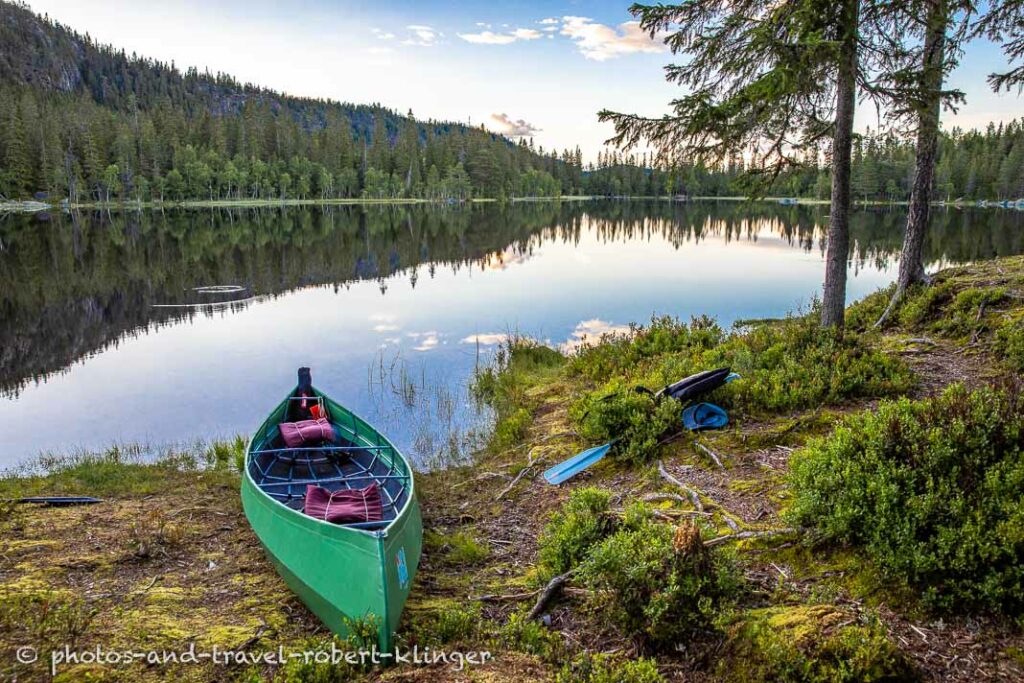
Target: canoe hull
{"points": [[341, 574]]}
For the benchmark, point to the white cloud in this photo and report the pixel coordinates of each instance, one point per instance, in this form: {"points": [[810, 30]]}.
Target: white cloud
{"points": [[600, 42], [422, 35], [518, 128], [427, 340], [492, 38], [549, 29], [481, 24], [385, 327], [383, 35], [548, 21]]}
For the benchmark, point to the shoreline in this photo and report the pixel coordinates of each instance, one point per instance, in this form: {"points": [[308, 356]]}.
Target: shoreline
{"points": [[34, 206]]}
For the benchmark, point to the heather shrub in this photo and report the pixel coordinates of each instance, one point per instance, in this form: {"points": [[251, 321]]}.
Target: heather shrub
{"points": [[932, 490]]}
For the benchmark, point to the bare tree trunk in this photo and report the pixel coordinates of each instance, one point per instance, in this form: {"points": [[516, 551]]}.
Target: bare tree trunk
{"points": [[929, 106], [833, 305]]}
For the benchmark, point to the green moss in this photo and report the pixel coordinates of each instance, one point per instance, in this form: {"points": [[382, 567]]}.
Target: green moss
{"points": [[529, 636], [809, 644], [602, 668], [458, 548]]}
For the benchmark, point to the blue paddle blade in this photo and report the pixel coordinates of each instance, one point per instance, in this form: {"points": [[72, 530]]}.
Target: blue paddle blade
{"points": [[568, 469], [732, 376]]}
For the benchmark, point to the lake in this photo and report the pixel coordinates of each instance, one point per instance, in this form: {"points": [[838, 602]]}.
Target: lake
{"points": [[171, 327]]}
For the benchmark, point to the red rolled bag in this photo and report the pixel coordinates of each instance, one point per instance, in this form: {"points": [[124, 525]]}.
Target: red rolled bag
{"points": [[307, 433], [345, 505]]}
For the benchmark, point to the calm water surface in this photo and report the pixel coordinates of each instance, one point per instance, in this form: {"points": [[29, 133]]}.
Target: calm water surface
{"points": [[114, 327]]}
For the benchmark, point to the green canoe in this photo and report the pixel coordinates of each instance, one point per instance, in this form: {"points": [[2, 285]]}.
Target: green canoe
{"points": [[343, 573]]}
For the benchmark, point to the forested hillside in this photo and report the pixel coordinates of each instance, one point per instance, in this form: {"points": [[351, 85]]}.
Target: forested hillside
{"points": [[89, 122]]}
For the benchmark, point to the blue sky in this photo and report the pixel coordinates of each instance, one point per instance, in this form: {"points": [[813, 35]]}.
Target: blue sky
{"points": [[544, 68]]}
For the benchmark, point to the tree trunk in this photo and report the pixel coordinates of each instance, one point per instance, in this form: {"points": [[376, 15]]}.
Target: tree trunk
{"points": [[833, 304], [929, 106]]}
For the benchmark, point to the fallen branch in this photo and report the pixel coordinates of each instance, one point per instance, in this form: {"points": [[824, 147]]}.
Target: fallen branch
{"points": [[554, 586], [504, 598], [710, 453], [747, 534], [664, 496], [485, 475], [694, 498]]}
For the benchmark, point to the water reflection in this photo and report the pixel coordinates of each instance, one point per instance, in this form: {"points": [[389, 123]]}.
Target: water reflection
{"points": [[92, 298]]}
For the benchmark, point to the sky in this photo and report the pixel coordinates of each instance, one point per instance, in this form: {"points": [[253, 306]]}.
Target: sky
{"points": [[542, 69]]}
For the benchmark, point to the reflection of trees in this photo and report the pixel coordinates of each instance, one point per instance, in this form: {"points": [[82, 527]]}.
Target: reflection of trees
{"points": [[72, 285]]}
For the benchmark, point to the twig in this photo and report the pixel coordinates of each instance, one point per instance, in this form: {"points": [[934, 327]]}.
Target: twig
{"points": [[746, 534], [921, 340], [729, 521], [694, 498], [553, 587], [252, 641], [151, 584], [710, 453], [664, 496], [504, 598]]}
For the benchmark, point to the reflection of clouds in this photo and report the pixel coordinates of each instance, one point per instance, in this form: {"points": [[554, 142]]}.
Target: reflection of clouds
{"points": [[384, 327], [384, 317], [486, 339], [588, 331], [500, 260], [426, 340]]}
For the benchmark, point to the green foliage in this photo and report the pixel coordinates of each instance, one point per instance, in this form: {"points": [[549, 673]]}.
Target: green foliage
{"points": [[785, 365], [1010, 343], [582, 521], [222, 455], [601, 668], [529, 636], [932, 490], [463, 548], [454, 623], [519, 364], [616, 353], [639, 420], [512, 429], [808, 645], [657, 584]]}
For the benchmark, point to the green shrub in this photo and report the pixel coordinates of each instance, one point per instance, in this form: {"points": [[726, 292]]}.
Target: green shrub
{"points": [[658, 584], [922, 303], [518, 364], [582, 521], [463, 548], [1010, 343], [797, 364], [933, 490], [512, 429], [451, 622], [638, 420], [619, 353], [529, 636], [804, 644], [600, 668]]}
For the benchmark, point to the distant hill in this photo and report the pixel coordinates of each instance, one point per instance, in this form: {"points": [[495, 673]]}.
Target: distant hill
{"points": [[89, 121]]}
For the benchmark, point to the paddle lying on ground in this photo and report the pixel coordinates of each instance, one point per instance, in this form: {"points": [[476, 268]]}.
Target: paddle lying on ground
{"points": [[576, 464], [56, 501], [683, 390]]}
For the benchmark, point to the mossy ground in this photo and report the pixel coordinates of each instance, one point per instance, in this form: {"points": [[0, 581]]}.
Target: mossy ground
{"points": [[77, 576]]}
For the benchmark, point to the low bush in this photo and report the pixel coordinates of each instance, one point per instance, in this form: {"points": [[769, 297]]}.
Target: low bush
{"points": [[601, 668], [785, 365], [529, 636], [637, 420], [1010, 343], [803, 644], [582, 521], [932, 490], [616, 354], [658, 584]]}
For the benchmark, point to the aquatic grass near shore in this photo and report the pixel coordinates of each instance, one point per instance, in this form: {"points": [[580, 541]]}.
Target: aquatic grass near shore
{"points": [[449, 425]]}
